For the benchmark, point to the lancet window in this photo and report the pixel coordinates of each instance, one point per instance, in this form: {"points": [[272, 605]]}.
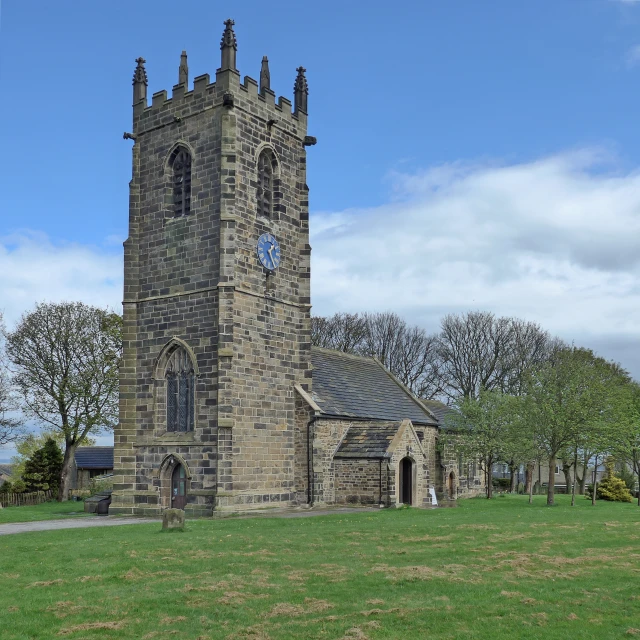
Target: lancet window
{"points": [[266, 163], [180, 163], [180, 392]]}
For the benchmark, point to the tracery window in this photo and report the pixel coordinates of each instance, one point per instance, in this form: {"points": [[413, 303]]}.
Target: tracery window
{"points": [[265, 183], [180, 391], [180, 163]]}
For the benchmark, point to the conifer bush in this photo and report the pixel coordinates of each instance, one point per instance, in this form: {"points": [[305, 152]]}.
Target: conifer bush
{"points": [[42, 470], [611, 487]]}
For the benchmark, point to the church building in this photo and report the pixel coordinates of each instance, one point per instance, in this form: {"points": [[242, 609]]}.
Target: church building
{"points": [[224, 403]]}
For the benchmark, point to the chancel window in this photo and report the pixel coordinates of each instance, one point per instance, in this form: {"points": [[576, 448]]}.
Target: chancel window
{"points": [[180, 392], [265, 183], [181, 181]]}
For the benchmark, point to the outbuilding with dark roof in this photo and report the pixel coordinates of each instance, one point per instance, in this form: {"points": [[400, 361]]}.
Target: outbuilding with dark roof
{"points": [[90, 462]]}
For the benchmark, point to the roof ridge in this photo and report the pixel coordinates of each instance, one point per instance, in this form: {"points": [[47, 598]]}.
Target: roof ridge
{"points": [[344, 354]]}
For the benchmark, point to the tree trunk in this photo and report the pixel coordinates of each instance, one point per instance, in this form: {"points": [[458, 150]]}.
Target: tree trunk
{"points": [[595, 482], [583, 480], [552, 480], [529, 477], [575, 478], [566, 469], [513, 470], [65, 475], [489, 479]]}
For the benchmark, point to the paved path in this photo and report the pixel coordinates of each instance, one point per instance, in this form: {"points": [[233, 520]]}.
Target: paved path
{"points": [[111, 521], [70, 523]]}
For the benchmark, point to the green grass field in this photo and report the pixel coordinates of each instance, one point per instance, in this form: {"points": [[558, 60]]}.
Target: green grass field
{"points": [[45, 511], [487, 569]]}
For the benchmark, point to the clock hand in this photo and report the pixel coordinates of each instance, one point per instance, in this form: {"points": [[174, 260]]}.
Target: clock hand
{"points": [[269, 250]]}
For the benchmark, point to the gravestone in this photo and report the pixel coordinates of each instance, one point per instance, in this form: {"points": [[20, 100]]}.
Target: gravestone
{"points": [[173, 519]]}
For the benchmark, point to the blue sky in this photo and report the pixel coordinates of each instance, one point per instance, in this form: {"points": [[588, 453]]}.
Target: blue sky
{"points": [[391, 87], [489, 150]]}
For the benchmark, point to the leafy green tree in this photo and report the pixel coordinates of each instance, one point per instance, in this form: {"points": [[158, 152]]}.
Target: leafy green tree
{"points": [[479, 429], [42, 470], [66, 358], [574, 397], [10, 427], [19, 486], [627, 450], [29, 444]]}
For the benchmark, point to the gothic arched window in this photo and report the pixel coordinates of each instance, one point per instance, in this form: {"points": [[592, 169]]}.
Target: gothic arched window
{"points": [[180, 391], [266, 163], [180, 163]]}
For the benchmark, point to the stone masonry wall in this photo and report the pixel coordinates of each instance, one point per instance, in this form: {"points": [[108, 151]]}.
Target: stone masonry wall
{"points": [[264, 321], [360, 481], [197, 278]]}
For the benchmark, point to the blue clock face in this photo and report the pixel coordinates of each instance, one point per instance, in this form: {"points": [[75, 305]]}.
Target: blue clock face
{"points": [[268, 251]]}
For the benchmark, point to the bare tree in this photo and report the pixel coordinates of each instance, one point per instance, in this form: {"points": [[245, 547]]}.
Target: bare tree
{"points": [[473, 350], [529, 345], [407, 351], [342, 331], [10, 429], [66, 358]]}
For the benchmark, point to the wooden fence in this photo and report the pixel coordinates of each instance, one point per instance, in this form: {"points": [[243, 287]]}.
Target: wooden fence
{"points": [[24, 499]]}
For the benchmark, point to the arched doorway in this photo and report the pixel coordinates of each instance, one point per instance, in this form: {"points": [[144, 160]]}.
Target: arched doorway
{"points": [[452, 485], [406, 481], [178, 487]]}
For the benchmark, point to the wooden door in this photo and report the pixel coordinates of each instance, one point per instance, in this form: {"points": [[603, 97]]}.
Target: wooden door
{"points": [[406, 480], [178, 487]]}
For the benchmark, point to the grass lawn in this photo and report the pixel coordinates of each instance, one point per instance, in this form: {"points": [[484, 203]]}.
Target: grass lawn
{"points": [[487, 569], [44, 511]]}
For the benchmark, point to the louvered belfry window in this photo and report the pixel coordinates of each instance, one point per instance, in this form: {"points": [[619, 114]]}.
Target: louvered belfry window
{"points": [[181, 167], [265, 183], [180, 392]]}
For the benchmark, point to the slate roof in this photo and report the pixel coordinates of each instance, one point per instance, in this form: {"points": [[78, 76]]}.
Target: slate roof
{"points": [[357, 387], [439, 410], [367, 441], [94, 457], [5, 469]]}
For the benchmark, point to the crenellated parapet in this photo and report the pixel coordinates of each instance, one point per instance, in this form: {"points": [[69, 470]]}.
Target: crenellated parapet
{"points": [[226, 91]]}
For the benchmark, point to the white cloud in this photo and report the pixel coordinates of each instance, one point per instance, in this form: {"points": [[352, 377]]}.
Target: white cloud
{"points": [[33, 269], [555, 241]]}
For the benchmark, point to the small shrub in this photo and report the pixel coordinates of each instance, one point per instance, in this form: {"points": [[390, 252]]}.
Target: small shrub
{"points": [[502, 483], [19, 486], [611, 487], [6, 487], [100, 483]]}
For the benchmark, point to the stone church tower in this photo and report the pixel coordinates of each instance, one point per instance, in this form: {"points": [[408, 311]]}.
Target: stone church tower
{"points": [[216, 296]]}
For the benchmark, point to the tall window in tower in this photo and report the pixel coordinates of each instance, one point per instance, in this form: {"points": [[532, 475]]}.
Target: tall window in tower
{"points": [[180, 392], [265, 183], [180, 163]]}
